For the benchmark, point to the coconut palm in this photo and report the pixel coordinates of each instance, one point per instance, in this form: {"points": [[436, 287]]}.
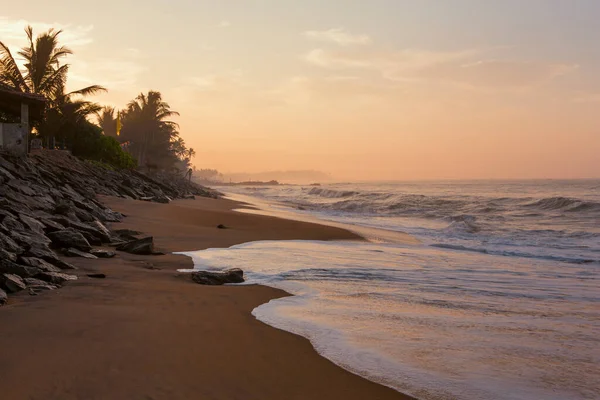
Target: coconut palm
{"points": [[108, 121], [146, 126], [43, 73], [191, 153]]}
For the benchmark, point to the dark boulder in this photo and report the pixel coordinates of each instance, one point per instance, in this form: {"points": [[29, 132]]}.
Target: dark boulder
{"points": [[35, 285], [12, 283], [38, 263], [234, 275], [126, 232], [11, 223], [55, 278], [97, 276], [103, 230], [51, 226], [143, 246], [103, 253], [70, 238], [3, 297], [48, 255], [5, 255], [71, 252], [27, 238], [8, 244], [9, 267], [33, 224]]}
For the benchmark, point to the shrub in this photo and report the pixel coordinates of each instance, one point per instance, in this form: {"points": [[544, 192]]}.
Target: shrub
{"points": [[91, 144]]}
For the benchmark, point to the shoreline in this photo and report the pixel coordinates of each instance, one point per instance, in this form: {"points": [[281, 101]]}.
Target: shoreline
{"points": [[187, 341]]}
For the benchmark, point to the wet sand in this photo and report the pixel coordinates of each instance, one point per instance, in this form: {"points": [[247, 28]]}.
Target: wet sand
{"points": [[148, 332]]}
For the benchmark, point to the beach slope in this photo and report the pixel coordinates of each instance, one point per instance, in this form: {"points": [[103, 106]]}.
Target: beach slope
{"points": [[147, 332]]}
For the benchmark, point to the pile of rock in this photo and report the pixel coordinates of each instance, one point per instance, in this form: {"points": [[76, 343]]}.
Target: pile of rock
{"points": [[48, 205]]}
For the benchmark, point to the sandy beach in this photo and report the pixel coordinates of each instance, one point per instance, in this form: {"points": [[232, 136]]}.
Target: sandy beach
{"points": [[147, 332]]}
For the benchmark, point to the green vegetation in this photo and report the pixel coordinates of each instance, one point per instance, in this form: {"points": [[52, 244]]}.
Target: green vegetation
{"points": [[85, 127]]}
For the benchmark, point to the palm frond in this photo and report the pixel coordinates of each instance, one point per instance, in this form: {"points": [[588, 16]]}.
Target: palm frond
{"points": [[87, 91], [10, 73]]}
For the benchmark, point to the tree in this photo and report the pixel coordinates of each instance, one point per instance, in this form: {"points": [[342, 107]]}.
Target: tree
{"points": [[147, 128], [191, 153], [108, 121], [44, 74]]}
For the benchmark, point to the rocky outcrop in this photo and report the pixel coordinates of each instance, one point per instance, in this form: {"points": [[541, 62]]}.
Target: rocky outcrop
{"points": [[70, 238], [234, 275], [48, 204], [143, 246], [12, 283]]}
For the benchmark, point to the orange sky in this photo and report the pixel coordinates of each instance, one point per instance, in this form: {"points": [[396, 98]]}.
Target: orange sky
{"points": [[389, 90]]}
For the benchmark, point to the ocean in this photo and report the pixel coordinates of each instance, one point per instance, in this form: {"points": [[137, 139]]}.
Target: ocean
{"points": [[498, 297]]}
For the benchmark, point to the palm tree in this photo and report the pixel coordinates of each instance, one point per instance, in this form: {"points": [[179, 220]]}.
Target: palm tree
{"points": [[107, 121], [191, 153], [43, 74], [145, 124], [178, 147]]}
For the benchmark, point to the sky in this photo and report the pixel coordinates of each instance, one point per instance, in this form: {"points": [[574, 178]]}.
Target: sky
{"points": [[377, 90]]}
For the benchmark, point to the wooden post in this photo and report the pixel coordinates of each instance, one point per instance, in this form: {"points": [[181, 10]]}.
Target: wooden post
{"points": [[25, 124]]}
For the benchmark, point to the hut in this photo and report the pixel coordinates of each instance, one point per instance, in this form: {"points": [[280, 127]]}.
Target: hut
{"points": [[17, 109]]}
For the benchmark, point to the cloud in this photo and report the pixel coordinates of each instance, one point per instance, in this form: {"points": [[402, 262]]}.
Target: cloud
{"points": [[12, 32], [586, 98], [218, 82], [466, 67], [115, 73], [338, 36], [224, 24]]}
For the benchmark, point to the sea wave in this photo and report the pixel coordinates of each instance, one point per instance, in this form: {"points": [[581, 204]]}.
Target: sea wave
{"points": [[564, 203], [565, 259]]}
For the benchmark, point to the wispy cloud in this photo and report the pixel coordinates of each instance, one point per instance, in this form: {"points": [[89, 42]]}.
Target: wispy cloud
{"points": [[338, 36], [468, 67], [12, 32], [586, 98]]}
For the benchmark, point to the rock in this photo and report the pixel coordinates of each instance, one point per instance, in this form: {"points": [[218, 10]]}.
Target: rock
{"points": [[70, 238], [37, 285], [93, 240], [106, 235], [51, 226], [140, 246], [9, 267], [62, 207], [71, 252], [234, 275], [103, 253], [8, 244], [162, 199], [33, 224], [189, 197], [221, 226], [22, 186], [11, 223], [26, 238], [34, 282], [55, 278], [97, 276], [126, 232], [5, 255], [3, 297], [38, 263], [48, 255], [12, 283]]}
